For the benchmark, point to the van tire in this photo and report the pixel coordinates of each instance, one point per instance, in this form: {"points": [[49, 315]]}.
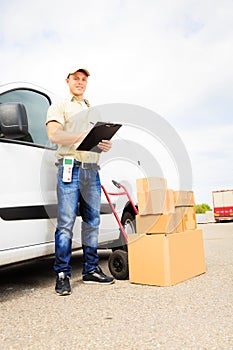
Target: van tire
{"points": [[128, 219]]}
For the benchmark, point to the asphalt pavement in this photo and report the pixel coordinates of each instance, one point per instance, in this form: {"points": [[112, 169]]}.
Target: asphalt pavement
{"points": [[194, 314]]}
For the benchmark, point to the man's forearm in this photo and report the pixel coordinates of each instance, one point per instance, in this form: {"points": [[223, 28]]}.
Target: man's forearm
{"points": [[65, 138], [59, 136]]}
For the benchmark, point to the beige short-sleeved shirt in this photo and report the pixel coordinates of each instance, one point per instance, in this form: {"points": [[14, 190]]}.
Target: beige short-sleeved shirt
{"points": [[75, 116]]}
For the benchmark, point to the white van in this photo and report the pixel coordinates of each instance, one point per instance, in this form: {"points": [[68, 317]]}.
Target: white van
{"points": [[28, 181]]}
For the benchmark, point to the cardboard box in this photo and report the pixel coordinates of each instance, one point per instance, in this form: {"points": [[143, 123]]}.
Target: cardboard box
{"points": [[150, 183], [184, 198], [186, 216], [155, 201], [165, 260], [156, 224]]}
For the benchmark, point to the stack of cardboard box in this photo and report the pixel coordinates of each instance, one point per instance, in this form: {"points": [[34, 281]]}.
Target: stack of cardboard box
{"points": [[168, 247]]}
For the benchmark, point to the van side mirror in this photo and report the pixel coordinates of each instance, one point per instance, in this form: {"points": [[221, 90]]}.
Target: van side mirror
{"points": [[13, 120]]}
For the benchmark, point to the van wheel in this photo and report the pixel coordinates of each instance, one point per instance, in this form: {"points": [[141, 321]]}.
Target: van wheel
{"points": [[128, 222], [118, 264]]}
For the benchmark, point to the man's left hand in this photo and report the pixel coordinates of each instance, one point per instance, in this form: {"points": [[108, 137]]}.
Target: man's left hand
{"points": [[105, 145]]}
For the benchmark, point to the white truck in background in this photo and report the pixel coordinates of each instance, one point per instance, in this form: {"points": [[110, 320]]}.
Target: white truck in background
{"points": [[28, 202], [223, 205]]}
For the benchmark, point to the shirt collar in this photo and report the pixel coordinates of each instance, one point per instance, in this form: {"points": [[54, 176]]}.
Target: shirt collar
{"points": [[72, 98]]}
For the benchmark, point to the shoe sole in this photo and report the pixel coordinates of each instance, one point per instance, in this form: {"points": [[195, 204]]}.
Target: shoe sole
{"points": [[63, 293], [96, 282]]}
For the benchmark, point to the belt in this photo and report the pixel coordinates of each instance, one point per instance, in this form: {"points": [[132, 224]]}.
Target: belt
{"points": [[79, 164]]}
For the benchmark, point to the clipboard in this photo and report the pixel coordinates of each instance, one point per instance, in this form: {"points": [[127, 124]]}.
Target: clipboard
{"points": [[100, 131]]}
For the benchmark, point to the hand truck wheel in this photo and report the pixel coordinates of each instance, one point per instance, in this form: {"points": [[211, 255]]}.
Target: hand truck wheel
{"points": [[118, 264]]}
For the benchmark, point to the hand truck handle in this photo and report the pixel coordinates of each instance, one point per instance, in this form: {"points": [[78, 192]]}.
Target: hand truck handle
{"points": [[116, 184]]}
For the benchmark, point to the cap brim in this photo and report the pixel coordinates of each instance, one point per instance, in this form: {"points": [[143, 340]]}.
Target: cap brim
{"points": [[84, 70]]}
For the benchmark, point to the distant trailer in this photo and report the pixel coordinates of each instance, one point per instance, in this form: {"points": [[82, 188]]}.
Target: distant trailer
{"points": [[223, 205]]}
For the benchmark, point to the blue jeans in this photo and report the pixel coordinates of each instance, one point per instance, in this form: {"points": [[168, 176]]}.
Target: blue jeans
{"points": [[84, 190]]}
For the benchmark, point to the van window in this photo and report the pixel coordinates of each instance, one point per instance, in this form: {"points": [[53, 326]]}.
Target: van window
{"points": [[36, 105]]}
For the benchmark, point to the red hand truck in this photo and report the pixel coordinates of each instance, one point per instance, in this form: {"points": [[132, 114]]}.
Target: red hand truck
{"points": [[118, 260]]}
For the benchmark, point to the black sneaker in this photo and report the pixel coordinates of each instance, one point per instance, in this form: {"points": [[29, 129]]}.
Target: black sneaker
{"points": [[62, 284], [97, 276]]}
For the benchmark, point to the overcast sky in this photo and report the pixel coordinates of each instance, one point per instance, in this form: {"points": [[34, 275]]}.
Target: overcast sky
{"points": [[172, 57]]}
